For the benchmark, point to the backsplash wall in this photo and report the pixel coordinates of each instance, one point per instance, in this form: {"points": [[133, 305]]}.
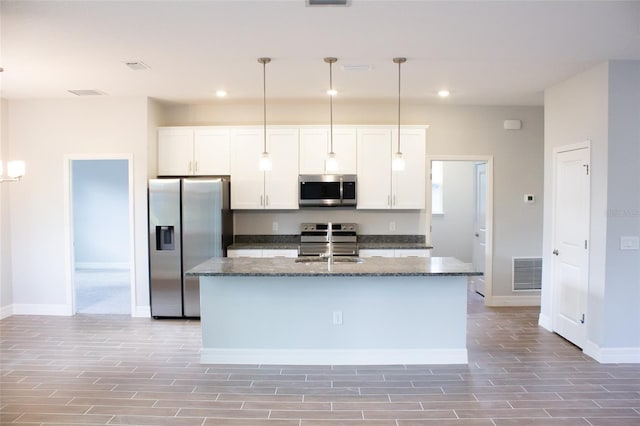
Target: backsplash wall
{"points": [[369, 221]]}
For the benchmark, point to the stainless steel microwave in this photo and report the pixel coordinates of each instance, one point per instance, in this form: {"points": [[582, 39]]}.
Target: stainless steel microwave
{"points": [[327, 190]]}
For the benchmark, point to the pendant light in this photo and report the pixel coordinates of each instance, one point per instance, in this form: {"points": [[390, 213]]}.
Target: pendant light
{"points": [[331, 164], [265, 158], [398, 159]]}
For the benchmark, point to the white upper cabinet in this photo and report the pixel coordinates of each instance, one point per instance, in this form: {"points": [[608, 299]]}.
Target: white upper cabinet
{"points": [[247, 180], [175, 151], [315, 145], [409, 185], [254, 189], [378, 186], [211, 151], [188, 151], [374, 168]]}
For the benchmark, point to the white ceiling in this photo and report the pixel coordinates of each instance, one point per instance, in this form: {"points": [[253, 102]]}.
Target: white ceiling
{"points": [[486, 53]]}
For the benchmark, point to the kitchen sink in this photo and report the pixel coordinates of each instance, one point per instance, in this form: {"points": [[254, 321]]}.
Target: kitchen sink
{"points": [[336, 259]]}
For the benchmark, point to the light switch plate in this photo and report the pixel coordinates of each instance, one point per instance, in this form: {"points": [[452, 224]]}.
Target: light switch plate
{"points": [[629, 243]]}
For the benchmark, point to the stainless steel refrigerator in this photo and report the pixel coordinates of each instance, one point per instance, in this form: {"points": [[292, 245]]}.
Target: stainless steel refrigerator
{"points": [[190, 221]]}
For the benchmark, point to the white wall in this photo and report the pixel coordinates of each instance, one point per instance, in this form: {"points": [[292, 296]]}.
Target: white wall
{"points": [[601, 104], [101, 213], [518, 162], [43, 133], [452, 232], [6, 290]]}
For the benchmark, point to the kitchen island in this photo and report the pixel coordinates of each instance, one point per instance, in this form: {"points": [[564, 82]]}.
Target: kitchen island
{"points": [[355, 311]]}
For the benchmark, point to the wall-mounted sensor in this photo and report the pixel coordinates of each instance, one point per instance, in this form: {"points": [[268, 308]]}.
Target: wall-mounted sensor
{"points": [[512, 124], [529, 198]]}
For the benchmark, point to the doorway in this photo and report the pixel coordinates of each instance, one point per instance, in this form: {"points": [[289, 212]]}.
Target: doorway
{"points": [[460, 214], [100, 235]]}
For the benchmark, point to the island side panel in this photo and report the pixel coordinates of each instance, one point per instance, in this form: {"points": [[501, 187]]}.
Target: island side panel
{"points": [[290, 320]]}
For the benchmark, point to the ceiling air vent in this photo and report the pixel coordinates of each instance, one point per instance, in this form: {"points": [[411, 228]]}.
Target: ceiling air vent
{"points": [[137, 65], [87, 92], [328, 2]]}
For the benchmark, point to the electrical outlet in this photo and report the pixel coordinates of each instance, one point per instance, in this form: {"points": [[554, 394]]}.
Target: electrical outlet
{"points": [[392, 226], [274, 226], [337, 317]]}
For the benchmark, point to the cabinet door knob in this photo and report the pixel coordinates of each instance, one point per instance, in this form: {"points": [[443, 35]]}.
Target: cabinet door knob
{"points": [[556, 252]]}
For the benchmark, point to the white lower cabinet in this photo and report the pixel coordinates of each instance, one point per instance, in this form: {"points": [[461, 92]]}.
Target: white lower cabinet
{"points": [[262, 253], [280, 253], [395, 252]]}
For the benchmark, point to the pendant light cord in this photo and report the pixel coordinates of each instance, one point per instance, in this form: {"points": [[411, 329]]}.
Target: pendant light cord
{"points": [[330, 61], [264, 102], [399, 61], [331, 105], [399, 74]]}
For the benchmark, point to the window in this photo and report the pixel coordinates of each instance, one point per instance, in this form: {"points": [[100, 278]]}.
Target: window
{"points": [[437, 205]]}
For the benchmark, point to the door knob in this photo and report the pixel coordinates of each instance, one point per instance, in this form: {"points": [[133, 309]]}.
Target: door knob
{"points": [[555, 252], [476, 234]]}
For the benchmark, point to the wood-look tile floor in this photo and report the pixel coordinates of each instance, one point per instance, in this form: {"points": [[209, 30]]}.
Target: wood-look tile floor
{"points": [[117, 370]]}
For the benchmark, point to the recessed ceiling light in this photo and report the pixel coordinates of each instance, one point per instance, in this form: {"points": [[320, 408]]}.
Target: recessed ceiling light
{"points": [[221, 93], [443, 93], [332, 92]]}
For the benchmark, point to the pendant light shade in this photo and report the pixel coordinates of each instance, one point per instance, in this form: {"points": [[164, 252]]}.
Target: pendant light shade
{"points": [[265, 158], [331, 163], [398, 158]]}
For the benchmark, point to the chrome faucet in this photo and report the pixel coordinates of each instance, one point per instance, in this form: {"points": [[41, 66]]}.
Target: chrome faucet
{"points": [[330, 238]]}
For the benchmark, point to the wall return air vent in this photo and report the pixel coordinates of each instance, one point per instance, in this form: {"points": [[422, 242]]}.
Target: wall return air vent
{"points": [[527, 273]]}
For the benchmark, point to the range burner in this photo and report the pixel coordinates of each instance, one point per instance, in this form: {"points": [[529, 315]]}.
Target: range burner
{"points": [[314, 239]]}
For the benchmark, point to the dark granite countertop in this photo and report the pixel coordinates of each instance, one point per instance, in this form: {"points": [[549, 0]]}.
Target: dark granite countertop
{"points": [[290, 242], [391, 245], [264, 246], [376, 266]]}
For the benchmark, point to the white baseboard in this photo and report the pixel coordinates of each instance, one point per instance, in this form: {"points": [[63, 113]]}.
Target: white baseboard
{"points": [[629, 355], [59, 310], [102, 265], [530, 300], [333, 356], [6, 311], [545, 322], [142, 312]]}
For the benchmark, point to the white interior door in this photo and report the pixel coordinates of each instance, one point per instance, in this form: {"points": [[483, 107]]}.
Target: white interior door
{"points": [[570, 243], [480, 226]]}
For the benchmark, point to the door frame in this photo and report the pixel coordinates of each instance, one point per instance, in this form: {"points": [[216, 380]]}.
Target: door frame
{"points": [[488, 265], [586, 144], [68, 225]]}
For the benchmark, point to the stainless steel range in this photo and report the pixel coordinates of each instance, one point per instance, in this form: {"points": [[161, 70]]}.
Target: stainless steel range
{"points": [[315, 239]]}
